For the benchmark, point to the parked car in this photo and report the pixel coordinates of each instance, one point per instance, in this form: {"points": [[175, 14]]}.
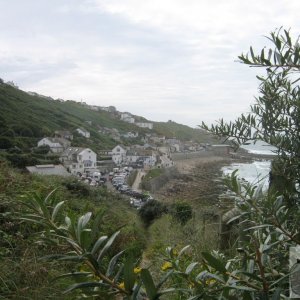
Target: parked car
{"points": [[123, 188]]}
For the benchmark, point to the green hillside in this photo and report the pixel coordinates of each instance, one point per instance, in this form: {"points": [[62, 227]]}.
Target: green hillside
{"points": [[172, 129], [25, 119]]}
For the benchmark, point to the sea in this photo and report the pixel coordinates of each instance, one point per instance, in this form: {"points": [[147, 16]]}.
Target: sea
{"points": [[257, 171]]}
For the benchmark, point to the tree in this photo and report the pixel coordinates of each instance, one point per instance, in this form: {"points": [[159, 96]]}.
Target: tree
{"points": [[271, 220], [151, 210], [275, 117]]}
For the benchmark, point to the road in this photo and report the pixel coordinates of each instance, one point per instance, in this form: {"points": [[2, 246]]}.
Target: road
{"points": [[138, 179]]}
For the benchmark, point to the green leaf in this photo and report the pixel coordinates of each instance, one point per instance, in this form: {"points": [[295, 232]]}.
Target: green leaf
{"points": [[242, 288], [107, 246], [56, 210], [98, 244], [46, 201], [112, 264], [83, 285], [168, 291], [251, 275], [183, 250], [277, 294], [68, 222], [214, 262], [278, 43], [164, 279], [214, 276], [82, 221], [252, 54], [296, 56], [190, 267], [288, 38], [129, 276], [149, 284], [73, 274]]}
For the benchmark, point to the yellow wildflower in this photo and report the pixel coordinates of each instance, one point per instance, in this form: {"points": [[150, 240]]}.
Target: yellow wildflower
{"points": [[167, 265], [137, 270], [122, 285], [210, 281]]}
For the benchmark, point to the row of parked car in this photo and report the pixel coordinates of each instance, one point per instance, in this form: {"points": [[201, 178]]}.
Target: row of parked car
{"points": [[119, 180], [94, 179]]}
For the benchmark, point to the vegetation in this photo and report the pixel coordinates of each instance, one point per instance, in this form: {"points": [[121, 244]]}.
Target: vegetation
{"points": [[101, 268], [156, 178], [182, 212], [24, 119], [25, 273], [172, 129], [152, 210]]}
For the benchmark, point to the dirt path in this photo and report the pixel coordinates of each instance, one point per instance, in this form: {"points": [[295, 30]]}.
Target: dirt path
{"points": [[138, 179]]}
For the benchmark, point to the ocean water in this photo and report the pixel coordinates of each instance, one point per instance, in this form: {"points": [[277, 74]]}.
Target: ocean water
{"points": [[257, 171], [260, 148]]}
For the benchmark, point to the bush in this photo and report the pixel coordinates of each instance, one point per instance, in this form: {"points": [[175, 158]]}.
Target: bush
{"points": [[21, 160], [77, 187], [5, 142], [42, 149], [182, 212], [152, 210]]}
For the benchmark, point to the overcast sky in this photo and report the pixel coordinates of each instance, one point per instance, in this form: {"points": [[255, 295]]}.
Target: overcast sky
{"points": [[162, 59]]}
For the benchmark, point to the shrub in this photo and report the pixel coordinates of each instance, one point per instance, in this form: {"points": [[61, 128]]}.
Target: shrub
{"points": [[182, 212], [152, 210], [77, 187], [5, 142]]}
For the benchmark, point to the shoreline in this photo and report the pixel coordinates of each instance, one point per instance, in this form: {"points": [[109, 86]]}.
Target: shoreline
{"points": [[199, 182]]}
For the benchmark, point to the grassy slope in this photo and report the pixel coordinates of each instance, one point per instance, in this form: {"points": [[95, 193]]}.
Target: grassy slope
{"points": [[26, 118], [24, 275], [182, 132], [22, 113]]}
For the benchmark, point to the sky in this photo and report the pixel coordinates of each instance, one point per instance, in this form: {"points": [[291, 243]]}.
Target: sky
{"points": [[161, 59]]}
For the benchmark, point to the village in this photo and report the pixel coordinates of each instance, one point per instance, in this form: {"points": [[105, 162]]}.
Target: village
{"points": [[112, 167]]}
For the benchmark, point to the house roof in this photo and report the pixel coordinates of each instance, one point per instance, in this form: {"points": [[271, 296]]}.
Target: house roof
{"points": [[74, 150], [62, 132], [48, 170], [121, 146], [82, 129], [55, 140], [139, 152]]}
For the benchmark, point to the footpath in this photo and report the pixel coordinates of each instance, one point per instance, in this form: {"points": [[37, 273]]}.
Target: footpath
{"points": [[138, 179]]}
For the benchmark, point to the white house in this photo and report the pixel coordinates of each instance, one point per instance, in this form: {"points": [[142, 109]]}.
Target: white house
{"points": [[157, 139], [55, 145], [146, 157], [63, 134], [118, 154], [94, 107], [130, 135], [78, 160], [176, 148], [144, 125], [83, 132], [127, 117]]}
